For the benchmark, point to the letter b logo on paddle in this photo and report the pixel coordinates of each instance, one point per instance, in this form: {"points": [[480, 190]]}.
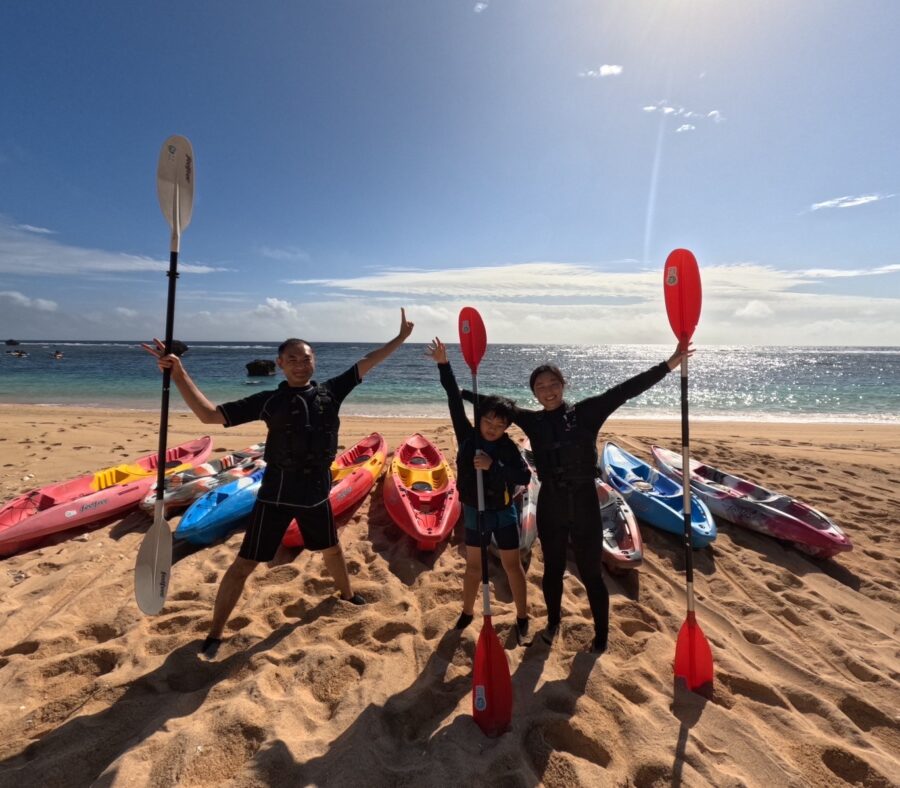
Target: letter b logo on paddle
{"points": [[672, 276], [480, 698]]}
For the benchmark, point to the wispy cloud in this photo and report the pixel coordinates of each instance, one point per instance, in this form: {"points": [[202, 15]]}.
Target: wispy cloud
{"points": [[850, 201], [21, 300], [30, 228], [32, 253], [606, 70], [682, 113], [288, 253], [479, 7], [124, 311], [844, 273]]}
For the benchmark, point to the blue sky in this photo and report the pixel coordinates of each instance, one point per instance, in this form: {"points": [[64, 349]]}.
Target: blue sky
{"points": [[537, 159]]}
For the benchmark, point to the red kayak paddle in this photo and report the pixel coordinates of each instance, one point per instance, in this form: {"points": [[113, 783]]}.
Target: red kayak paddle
{"points": [[681, 285], [491, 682]]}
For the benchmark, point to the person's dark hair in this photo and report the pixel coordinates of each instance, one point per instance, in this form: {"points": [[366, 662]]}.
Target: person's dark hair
{"points": [[551, 368], [500, 407], [292, 341]]}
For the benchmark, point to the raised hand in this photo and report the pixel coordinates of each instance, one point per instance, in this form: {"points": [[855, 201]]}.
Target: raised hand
{"points": [[406, 326], [163, 361], [437, 352], [679, 354]]}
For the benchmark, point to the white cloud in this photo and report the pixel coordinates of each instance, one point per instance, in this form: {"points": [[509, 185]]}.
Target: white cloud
{"points": [[849, 201], [716, 116], [290, 253], [754, 310], [479, 7], [685, 127], [125, 311], [841, 273], [606, 70], [19, 299], [30, 228], [26, 252]]}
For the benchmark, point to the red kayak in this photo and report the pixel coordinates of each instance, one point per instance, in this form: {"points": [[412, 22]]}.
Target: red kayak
{"points": [[352, 475], [420, 492], [88, 499], [751, 506]]}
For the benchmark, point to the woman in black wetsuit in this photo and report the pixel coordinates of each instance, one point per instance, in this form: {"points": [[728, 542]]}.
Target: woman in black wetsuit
{"points": [[564, 441]]}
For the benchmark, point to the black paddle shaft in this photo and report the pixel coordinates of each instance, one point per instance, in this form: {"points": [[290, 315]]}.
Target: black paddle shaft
{"points": [[172, 274], [480, 485], [686, 475]]}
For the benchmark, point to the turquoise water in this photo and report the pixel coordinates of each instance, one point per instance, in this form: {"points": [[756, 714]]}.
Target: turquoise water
{"points": [[815, 384]]}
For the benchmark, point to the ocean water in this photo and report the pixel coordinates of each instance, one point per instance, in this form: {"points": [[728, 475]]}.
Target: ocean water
{"points": [[805, 384]]}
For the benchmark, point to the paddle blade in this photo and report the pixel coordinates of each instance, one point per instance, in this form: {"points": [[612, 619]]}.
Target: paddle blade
{"points": [[153, 566], [472, 337], [693, 656], [175, 182], [491, 684], [681, 285]]}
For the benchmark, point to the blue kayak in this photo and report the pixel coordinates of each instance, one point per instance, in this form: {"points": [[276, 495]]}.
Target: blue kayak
{"points": [[657, 500], [217, 513]]}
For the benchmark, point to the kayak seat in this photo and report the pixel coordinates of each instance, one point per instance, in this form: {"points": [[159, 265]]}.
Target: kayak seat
{"points": [[418, 461], [422, 487], [362, 458], [641, 486]]}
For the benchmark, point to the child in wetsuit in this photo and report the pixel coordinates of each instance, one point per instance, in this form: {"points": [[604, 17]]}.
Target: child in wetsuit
{"points": [[493, 452]]}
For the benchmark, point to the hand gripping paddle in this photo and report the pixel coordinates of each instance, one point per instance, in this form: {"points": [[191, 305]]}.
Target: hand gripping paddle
{"points": [[681, 285], [175, 189], [491, 682]]}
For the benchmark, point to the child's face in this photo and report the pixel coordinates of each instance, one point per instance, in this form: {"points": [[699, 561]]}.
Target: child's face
{"points": [[492, 426]]}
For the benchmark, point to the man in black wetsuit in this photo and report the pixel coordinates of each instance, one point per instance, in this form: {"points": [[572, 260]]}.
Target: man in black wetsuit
{"points": [[302, 420], [564, 442]]}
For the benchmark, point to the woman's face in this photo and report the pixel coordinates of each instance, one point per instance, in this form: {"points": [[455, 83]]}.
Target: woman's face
{"points": [[549, 390]]}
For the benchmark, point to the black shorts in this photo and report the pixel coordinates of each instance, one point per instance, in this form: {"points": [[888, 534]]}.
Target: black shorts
{"points": [[269, 521], [503, 524]]}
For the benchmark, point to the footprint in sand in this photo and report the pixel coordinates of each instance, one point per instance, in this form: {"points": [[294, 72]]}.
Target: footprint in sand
{"points": [[852, 769]]}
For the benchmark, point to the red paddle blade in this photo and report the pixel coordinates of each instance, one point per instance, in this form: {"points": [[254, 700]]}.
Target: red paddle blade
{"points": [[693, 657], [681, 285], [472, 337], [491, 684]]}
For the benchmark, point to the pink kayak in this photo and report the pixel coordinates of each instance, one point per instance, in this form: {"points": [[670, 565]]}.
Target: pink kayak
{"points": [[88, 499], [352, 475], [751, 506], [420, 492]]}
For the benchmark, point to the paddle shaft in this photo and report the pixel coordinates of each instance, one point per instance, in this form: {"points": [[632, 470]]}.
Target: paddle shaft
{"points": [[172, 275], [479, 483], [686, 479]]}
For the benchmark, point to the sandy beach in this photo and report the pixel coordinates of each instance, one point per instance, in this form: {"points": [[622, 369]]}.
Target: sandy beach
{"points": [[308, 690]]}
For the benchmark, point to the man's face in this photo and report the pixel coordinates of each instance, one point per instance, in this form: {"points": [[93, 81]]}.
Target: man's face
{"points": [[298, 362]]}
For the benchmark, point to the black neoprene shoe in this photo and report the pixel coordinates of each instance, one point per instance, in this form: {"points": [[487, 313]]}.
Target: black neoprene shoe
{"points": [[549, 634], [598, 646], [210, 648], [356, 599], [463, 621], [521, 630]]}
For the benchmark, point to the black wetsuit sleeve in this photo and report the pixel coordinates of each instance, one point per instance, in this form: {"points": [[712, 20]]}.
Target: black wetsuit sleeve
{"points": [[461, 424], [245, 410], [595, 410], [344, 383]]}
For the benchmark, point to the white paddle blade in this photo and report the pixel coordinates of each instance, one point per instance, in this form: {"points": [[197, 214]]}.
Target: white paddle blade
{"points": [[153, 566], [175, 182]]}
